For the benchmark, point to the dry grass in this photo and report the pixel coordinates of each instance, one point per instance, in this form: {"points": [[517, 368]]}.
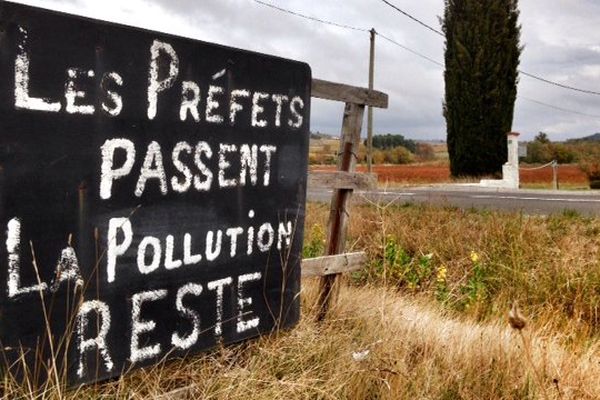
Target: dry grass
{"points": [[430, 311], [414, 349], [551, 264]]}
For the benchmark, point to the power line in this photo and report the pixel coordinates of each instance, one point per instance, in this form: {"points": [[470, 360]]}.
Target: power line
{"points": [[323, 21], [418, 21], [558, 108], [520, 97], [530, 75], [439, 64], [559, 84], [297, 14]]}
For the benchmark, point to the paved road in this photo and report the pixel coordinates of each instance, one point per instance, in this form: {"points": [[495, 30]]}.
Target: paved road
{"points": [[528, 201]]}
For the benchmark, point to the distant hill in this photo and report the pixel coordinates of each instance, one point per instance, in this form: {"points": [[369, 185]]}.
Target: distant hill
{"points": [[592, 138]]}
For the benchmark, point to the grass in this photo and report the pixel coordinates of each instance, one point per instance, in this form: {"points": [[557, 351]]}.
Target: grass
{"points": [[550, 264], [425, 319], [474, 264], [376, 344]]}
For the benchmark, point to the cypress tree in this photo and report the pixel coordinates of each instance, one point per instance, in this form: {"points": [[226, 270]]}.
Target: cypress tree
{"points": [[482, 59]]}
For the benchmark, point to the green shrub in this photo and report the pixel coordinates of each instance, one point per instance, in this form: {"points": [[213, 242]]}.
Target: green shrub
{"points": [[399, 155], [589, 163], [542, 153], [389, 141]]}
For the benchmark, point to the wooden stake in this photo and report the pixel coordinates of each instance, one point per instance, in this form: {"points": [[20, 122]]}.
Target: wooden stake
{"points": [[338, 213], [370, 111]]}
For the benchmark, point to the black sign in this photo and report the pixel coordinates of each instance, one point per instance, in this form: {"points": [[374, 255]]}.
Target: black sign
{"points": [[152, 194]]}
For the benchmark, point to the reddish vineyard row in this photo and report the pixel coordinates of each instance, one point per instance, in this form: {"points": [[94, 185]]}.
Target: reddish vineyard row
{"points": [[441, 174]]}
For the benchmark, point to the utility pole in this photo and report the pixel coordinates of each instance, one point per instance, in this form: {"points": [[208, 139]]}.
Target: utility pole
{"points": [[370, 110]]}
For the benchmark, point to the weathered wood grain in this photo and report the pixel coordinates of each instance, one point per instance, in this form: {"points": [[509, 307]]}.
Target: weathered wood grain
{"points": [[338, 212], [341, 180], [331, 265], [348, 94]]}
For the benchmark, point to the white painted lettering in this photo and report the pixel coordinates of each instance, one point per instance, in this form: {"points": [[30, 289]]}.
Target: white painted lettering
{"points": [[139, 326], [153, 168], [218, 286], [265, 229], [213, 253], [268, 150], [284, 232], [235, 107], [22, 97], [248, 161], [190, 97], [99, 342], [233, 233], [203, 184], [156, 254], [108, 174], [72, 94], [279, 99], [212, 104], [117, 101], [114, 249], [188, 341], [257, 109], [155, 86], [244, 325], [250, 244], [169, 247], [67, 269], [188, 257], [178, 185], [13, 248], [294, 104], [224, 164]]}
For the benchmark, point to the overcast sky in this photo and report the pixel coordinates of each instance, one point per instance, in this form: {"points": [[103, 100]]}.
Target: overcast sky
{"points": [[561, 38]]}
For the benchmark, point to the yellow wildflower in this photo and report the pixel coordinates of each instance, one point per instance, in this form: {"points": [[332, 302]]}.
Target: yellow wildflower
{"points": [[441, 274], [474, 256]]}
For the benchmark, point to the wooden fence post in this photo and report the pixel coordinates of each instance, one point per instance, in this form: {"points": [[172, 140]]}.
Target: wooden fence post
{"points": [[338, 213]]}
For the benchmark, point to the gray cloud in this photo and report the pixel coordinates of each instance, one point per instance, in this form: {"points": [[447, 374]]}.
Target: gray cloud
{"points": [[561, 38]]}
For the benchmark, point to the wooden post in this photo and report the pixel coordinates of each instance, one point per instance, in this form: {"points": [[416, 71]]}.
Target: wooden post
{"points": [[338, 213], [555, 175], [370, 110]]}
